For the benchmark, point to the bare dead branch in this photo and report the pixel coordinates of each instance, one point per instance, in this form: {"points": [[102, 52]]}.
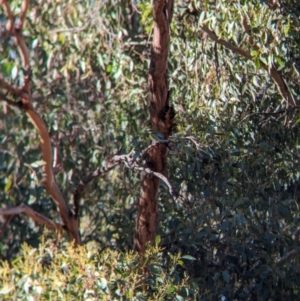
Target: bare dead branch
{"points": [[130, 161], [111, 163], [85, 181], [160, 176], [37, 217], [280, 83]]}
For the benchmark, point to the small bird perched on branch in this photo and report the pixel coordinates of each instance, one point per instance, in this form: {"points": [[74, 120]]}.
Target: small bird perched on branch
{"points": [[157, 136]]}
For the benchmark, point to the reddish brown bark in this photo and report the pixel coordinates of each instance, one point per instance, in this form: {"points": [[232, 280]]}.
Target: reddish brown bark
{"points": [[70, 220], [161, 117]]}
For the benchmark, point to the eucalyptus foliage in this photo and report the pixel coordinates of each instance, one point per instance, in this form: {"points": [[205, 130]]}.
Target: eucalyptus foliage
{"points": [[234, 159], [83, 274]]}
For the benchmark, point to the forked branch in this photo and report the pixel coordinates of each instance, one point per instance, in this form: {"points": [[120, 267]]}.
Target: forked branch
{"points": [[130, 161], [70, 221]]}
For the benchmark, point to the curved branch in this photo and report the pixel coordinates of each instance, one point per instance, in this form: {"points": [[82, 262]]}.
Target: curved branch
{"points": [[160, 176], [37, 217]]}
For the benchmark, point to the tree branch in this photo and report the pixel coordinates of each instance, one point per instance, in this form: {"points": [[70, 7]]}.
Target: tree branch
{"points": [[84, 182], [10, 102], [287, 256], [37, 217], [71, 223], [160, 176], [280, 83], [130, 162], [25, 5], [293, 252]]}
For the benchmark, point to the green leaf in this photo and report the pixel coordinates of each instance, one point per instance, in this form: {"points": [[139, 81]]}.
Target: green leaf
{"points": [[263, 59], [188, 257], [109, 68], [170, 290], [157, 239], [14, 72], [9, 183], [38, 163]]}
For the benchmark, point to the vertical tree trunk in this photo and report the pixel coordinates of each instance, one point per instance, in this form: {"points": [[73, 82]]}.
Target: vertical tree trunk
{"points": [[161, 116]]}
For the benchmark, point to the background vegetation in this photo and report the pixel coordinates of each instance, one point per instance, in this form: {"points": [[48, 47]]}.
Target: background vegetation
{"points": [[234, 163]]}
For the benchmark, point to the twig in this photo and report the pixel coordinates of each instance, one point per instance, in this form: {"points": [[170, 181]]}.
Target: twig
{"points": [[133, 43], [264, 114], [287, 256], [226, 44], [73, 29], [9, 14], [160, 176], [297, 234], [217, 64], [293, 252], [198, 145], [16, 31]]}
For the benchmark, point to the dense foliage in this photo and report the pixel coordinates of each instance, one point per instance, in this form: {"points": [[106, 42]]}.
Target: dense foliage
{"points": [[84, 274], [234, 160]]}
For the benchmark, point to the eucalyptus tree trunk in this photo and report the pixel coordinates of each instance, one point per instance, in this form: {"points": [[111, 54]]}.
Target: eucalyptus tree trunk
{"points": [[161, 117]]}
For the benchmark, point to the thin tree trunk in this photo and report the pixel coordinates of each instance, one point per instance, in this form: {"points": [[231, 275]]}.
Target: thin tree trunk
{"points": [[161, 116]]}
